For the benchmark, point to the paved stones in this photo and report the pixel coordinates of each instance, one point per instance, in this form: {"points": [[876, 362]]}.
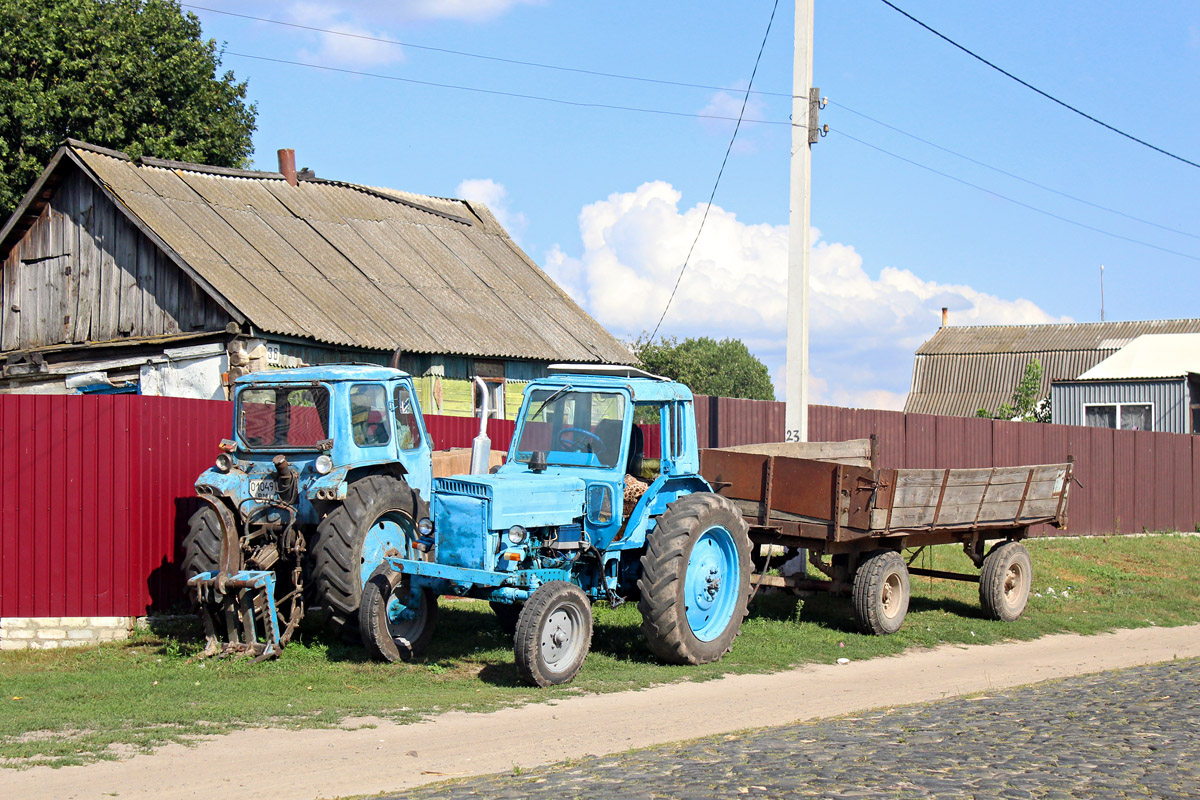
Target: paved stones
{"points": [[1132, 733]]}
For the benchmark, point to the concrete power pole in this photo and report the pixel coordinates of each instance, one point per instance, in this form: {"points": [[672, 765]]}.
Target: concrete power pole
{"points": [[805, 105]]}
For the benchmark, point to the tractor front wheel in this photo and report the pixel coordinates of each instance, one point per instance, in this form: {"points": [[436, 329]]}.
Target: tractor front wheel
{"points": [[374, 521], [695, 583], [396, 621], [554, 634]]}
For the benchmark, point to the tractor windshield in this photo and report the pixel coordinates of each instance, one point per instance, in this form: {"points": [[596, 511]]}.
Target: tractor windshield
{"points": [[272, 417], [573, 427]]}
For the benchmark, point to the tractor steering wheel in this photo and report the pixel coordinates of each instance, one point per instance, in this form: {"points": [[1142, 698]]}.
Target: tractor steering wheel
{"points": [[569, 438]]}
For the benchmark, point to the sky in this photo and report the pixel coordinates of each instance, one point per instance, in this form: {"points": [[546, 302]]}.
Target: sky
{"points": [[942, 183]]}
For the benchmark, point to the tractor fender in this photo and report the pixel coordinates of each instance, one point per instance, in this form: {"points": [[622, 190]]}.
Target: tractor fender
{"points": [[664, 491], [330, 487], [230, 560]]}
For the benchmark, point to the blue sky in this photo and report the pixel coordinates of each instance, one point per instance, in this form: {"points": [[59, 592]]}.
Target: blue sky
{"points": [[608, 200]]}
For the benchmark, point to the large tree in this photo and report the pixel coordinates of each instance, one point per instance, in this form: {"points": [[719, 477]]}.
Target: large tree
{"points": [[133, 75], [723, 369]]}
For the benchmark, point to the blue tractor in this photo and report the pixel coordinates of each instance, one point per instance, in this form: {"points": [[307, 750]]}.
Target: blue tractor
{"points": [[327, 470], [577, 514]]}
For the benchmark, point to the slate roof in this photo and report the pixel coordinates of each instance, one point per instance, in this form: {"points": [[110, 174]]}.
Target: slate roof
{"points": [[346, 264], [964, 368]]}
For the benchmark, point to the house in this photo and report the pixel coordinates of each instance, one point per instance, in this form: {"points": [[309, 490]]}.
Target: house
{"points": [[1150, 384], [166, 277], [962, 369]]}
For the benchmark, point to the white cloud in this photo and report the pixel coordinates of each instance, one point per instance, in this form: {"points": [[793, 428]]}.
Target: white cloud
{"points": [[469, 10], [728, 104], [352, 42], [495, 197], [864, 328]]}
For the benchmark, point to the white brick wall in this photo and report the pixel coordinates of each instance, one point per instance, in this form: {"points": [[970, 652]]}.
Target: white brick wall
{"points": [[46, 633]]}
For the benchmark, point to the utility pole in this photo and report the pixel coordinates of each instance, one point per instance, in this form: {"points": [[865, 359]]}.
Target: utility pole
{"points": [[1102, 293], [805, 105]]}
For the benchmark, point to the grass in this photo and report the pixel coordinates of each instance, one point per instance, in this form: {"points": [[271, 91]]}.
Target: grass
{"points": [[68, 707]]}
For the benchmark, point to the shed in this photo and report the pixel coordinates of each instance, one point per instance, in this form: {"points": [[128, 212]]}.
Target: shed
{"points": [[129, 271], [1153, 383], [964, 368]]}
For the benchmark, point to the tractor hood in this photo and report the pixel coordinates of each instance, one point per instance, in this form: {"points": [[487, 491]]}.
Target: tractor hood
{"points": [[521, 498]]}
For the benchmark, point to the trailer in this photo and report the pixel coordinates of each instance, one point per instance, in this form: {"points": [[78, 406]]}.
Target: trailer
{"points": [[855, 521]]}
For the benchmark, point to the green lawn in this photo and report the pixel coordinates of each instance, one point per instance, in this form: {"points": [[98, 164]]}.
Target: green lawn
{"points": [[65, 707]]}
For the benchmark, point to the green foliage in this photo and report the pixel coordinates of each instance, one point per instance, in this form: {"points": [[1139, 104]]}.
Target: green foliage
{"points": [[1025, 405], [131, 75], [720, 369]]}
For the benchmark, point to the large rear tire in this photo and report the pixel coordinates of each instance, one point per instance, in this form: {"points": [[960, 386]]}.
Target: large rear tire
{"points": [[881, 593], [1005, 581], [375, 520], [554, 634], [397, 622], [695, 583], [202, 545]]}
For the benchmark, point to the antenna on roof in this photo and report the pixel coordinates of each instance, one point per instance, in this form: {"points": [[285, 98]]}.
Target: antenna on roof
{"points": [[1102, 293]]}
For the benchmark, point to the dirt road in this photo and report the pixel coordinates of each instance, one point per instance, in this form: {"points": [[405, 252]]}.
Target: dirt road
{"points": [[335, 763]]}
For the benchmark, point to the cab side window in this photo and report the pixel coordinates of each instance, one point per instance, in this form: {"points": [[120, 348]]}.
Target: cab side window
{"points": [[368, 410], [408, 432]]}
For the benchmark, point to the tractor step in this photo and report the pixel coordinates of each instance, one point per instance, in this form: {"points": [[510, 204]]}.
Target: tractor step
{"points": [[239, 614]]}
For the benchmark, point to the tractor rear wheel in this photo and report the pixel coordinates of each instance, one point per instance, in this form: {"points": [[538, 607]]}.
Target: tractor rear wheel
{"points": [[202, 545], [695, 583], [554, 634], [397, 622], [375, 520]]}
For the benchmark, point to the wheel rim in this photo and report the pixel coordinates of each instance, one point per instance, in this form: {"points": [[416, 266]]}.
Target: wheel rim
{"points": [[562, 638], [407, 614], [387, 536], [712, 584], [892, 596], [1014, 584]]}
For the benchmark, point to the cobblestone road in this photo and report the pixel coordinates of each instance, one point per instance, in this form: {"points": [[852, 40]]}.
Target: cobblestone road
{"points": [[1129, 734]]}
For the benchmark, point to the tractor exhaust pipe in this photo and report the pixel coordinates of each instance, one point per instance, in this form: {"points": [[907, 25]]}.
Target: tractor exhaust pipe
{"points": [[481, 447]]}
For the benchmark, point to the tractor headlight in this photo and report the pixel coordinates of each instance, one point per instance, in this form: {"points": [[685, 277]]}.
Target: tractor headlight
{"points": [[425, 526], [517, 534], [323, 465], [225, 462]]}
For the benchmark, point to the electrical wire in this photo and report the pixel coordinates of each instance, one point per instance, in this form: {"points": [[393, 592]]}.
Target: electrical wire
{"points": [[1015, 202], [476, 89], [1010, 174], [720, 172], [1030, 86]]}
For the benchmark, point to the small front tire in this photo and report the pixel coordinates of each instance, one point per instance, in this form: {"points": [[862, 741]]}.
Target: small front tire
{"points": [[396, 621], [553, 635]]}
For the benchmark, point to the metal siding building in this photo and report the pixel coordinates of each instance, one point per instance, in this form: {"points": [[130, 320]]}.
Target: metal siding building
{"points": [[1167, 396]]}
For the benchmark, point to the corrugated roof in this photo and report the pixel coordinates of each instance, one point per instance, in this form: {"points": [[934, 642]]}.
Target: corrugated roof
{"points": [[354, 265], [1163, 355], [962, 369]]}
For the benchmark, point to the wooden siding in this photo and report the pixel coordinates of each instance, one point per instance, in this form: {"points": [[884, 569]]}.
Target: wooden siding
{"points": [[84, 273]]}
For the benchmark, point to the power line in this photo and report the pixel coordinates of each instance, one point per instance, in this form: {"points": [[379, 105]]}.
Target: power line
{"points": [[476, 89], [468, 54], [1030, 86], [1015, 202], [1012, 175], [720, 172]]}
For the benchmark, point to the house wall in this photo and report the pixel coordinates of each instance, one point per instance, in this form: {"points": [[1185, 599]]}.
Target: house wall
{"points": [[1169, 398], [84, 273]]}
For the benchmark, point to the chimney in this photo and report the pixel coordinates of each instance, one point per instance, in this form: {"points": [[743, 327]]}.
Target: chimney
{"points": [[945, 315], [287, 165]]}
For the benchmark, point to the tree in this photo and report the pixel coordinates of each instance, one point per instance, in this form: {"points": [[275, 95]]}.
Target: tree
{"points": [[1025, 405], [723, 369], [131, 75]]}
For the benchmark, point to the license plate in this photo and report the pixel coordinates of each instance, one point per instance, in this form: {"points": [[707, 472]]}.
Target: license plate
{"points": [[263, 488]]}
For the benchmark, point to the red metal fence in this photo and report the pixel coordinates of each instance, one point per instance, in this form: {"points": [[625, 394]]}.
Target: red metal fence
{"points": [[99, 489]]}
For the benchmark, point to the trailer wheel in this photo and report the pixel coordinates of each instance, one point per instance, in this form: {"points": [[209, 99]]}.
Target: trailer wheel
{"points": [[695, 582], [1005, 581], [554, 634], [202, 545], [396, 621], [375, 520], [880, 593], [506, 616]]}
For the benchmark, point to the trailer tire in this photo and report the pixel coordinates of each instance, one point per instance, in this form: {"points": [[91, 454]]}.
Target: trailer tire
{"points": [[554, 634], [404, 637], [1005, 581], [202, 545], [695, 581], [375, 519], [881, 593], [507, 615]]}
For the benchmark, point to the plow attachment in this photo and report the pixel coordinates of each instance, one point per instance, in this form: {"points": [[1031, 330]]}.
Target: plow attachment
{"points": [[239, 613]]}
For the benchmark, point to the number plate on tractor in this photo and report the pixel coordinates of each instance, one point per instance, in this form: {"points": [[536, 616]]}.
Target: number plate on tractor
{"points": [[263, 488]]}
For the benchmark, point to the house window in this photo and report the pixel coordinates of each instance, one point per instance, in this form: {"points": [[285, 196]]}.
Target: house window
{"points": [[495, 390], [1121, 416]]}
